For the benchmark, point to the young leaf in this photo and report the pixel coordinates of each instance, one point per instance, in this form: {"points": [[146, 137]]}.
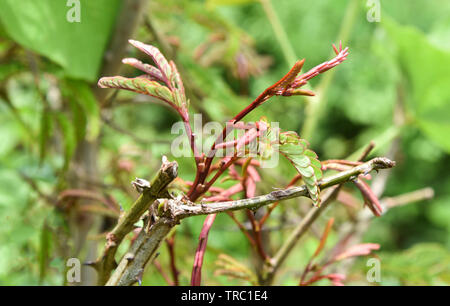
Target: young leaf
{"points": [[157, 57], [140, 85], [324, 237], [358, 250], [148, 69], [304, 160]]}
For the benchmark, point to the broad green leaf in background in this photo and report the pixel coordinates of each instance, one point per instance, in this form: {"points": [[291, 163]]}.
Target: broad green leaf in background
{"points": [[426, 69], [42, 26]]}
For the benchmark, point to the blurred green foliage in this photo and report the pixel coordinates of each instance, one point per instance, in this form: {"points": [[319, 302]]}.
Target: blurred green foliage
{"points": [[401, 62]]}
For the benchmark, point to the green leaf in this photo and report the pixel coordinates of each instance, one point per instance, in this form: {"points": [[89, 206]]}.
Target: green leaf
{"points": [[304, 160], [139, 85], [426, 69], [300, 160], [43, 27]]}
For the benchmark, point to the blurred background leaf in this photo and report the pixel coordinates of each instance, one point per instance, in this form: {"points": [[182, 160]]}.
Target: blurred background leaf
{"points": [[42, 26]]}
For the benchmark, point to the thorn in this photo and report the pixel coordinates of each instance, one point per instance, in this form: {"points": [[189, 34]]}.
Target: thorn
{"points": [[93, 264], [164, 159], [129, 61], [140, 276], [140, 184], [129, 257]]}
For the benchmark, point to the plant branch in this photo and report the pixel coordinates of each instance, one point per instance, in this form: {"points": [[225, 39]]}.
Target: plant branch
{"points": [[167, 173], [131, 267], [144, 248], [191, 209]]}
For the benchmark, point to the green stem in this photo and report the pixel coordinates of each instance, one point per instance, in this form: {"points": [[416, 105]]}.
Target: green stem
{"points": [[280, 33], [316, 105]]}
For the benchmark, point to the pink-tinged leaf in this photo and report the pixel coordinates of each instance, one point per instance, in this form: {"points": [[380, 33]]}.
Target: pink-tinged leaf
{"points": [[347, 199], [324, 237], [226, 194], [176, 78], [233, 173], [140, 85], [196, 276], [247, 138], [336, 278], [282, 84], [253, 173], [301, 92], [358, 250], [148, 69], [370, 199], [157, 57], [339, 58], [250, 187]]}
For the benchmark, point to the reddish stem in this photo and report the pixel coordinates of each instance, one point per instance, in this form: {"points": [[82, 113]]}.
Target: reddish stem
{"points": [[161, 271], [173, 268], [196, 277], [242, 228]]}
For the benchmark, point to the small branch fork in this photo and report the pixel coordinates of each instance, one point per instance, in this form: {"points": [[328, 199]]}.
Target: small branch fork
{"points": [[169, 212], [288, 85], [155, 189]]}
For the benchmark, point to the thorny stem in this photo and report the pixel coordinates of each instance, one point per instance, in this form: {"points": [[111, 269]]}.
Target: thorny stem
{"points": [[190, 209], [170, 242], [106, 263], [133, 263]]}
